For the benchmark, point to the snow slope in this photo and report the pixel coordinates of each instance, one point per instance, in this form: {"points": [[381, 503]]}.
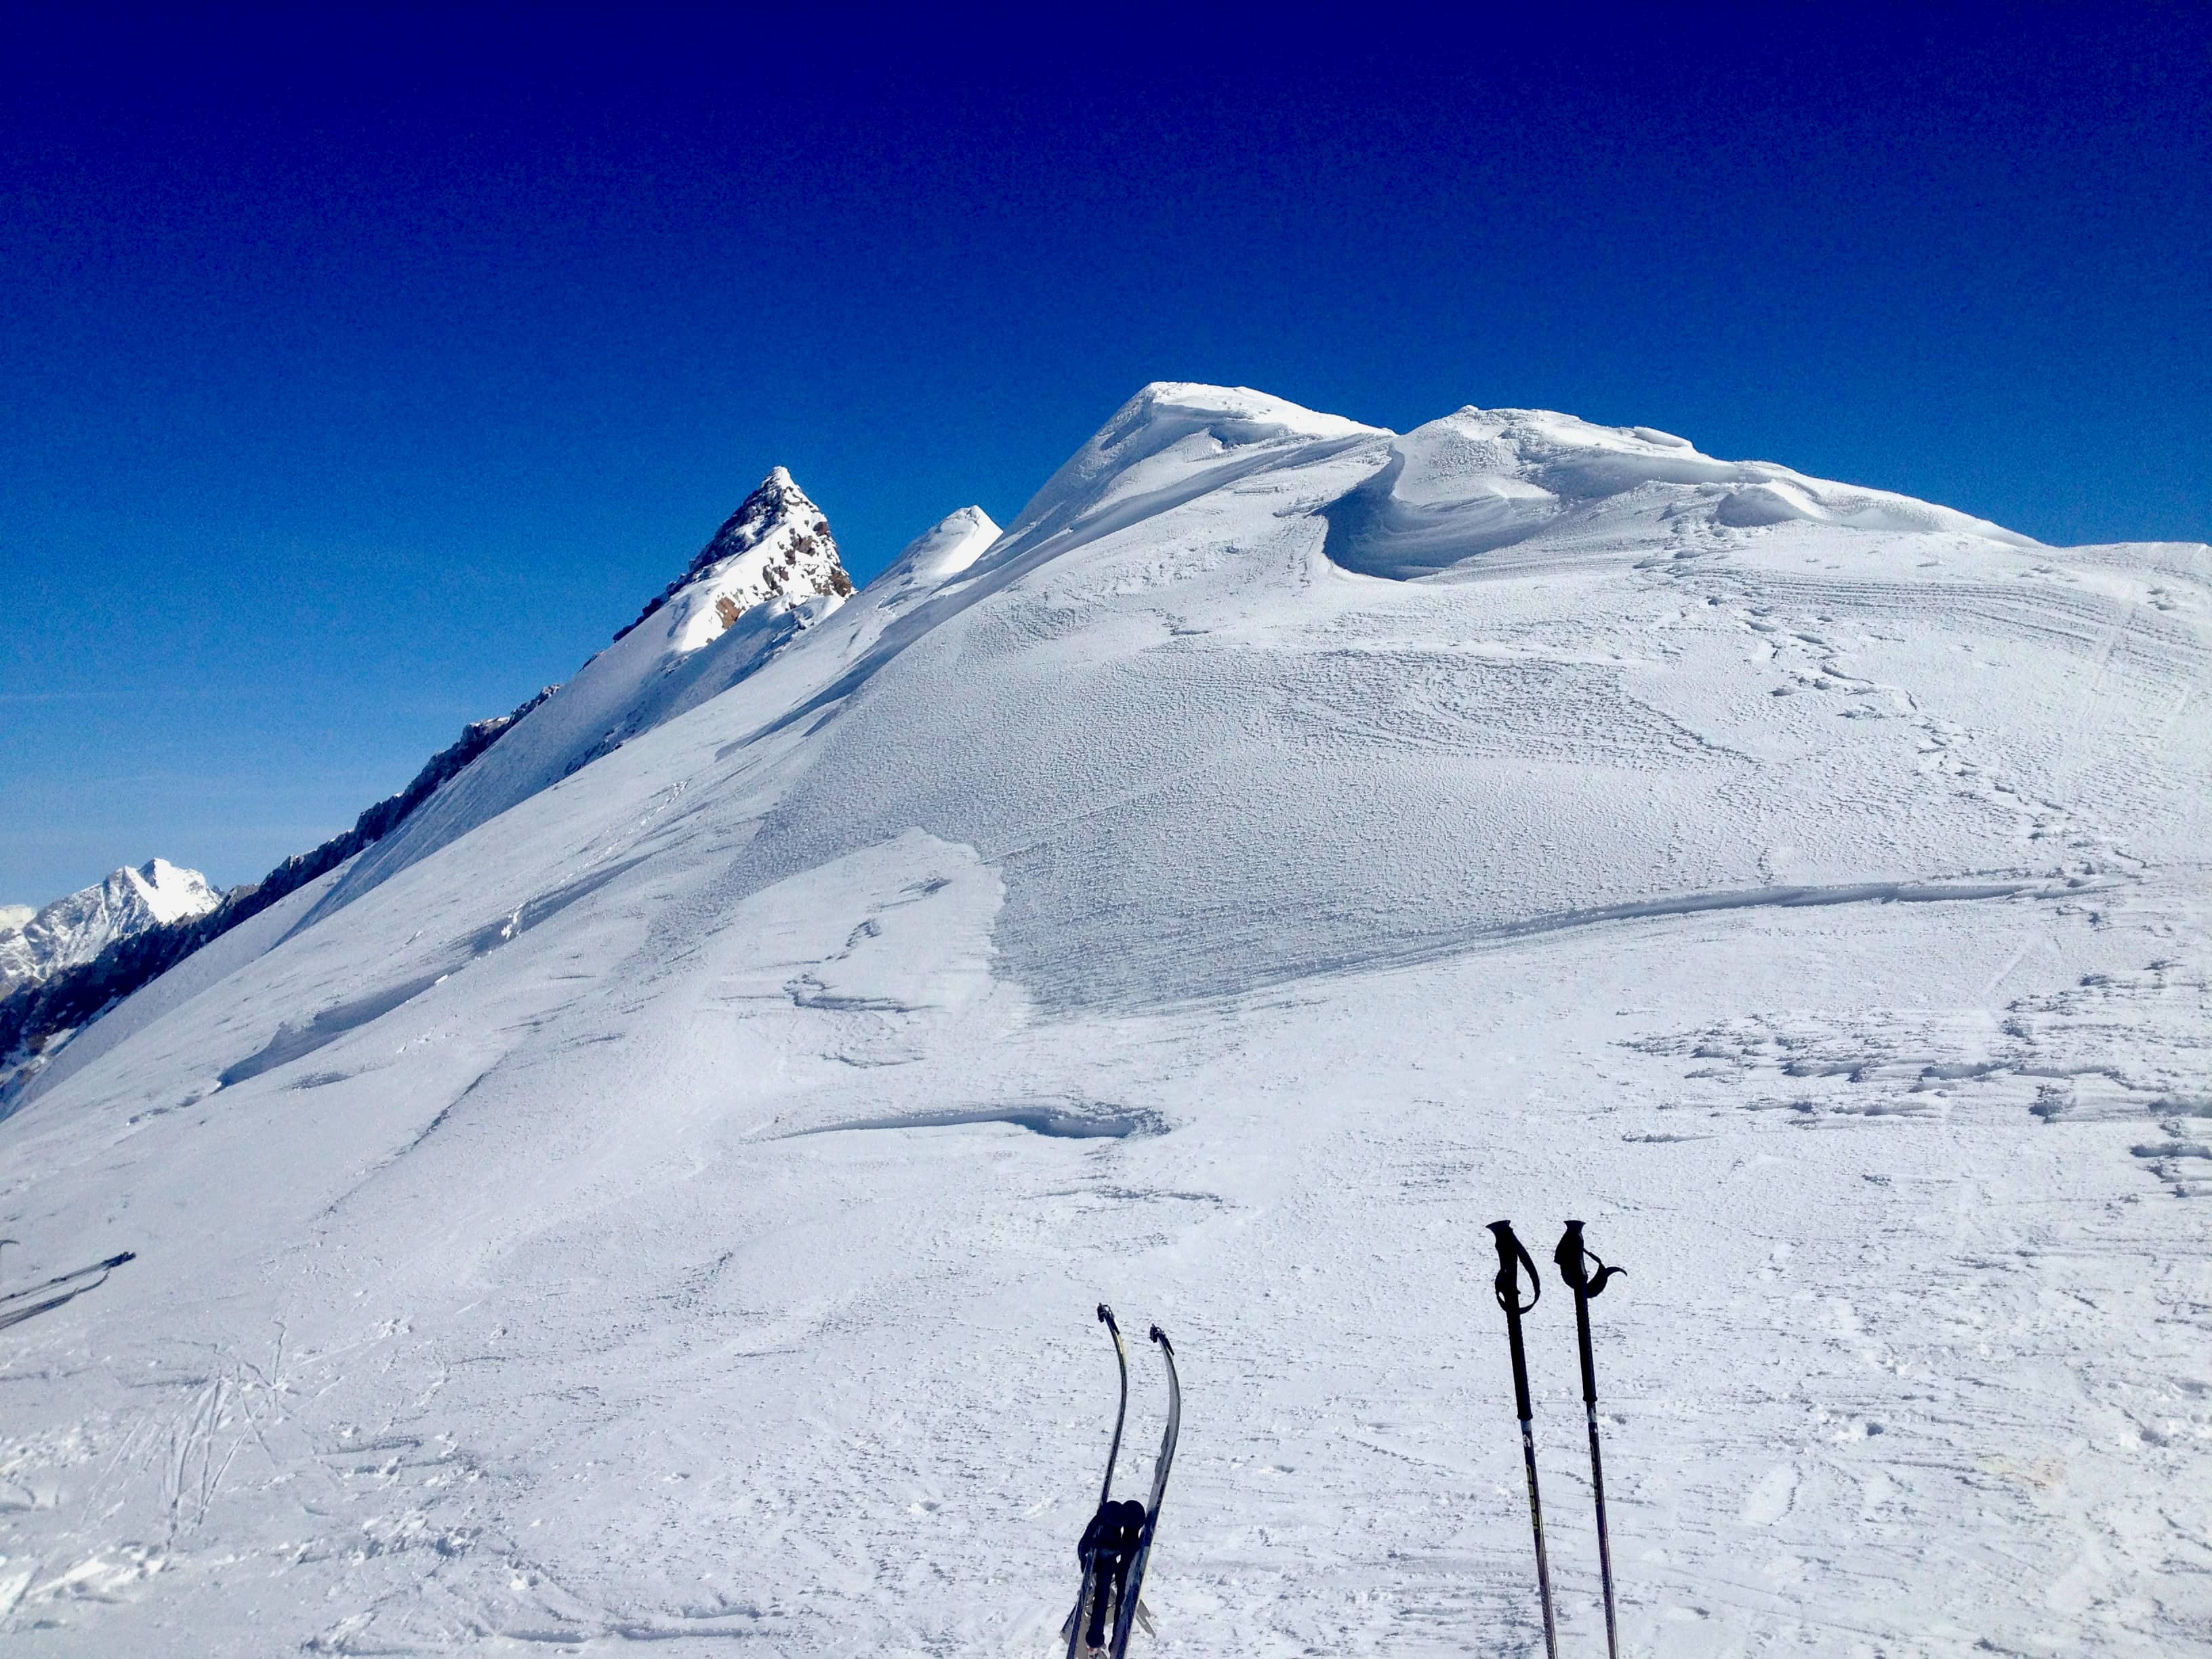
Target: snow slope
{"points": [[208, 966], [672, 1209], [78, 927]]}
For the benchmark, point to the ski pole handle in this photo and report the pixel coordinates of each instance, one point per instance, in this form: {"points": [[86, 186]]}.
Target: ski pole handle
{"points": [[1512, 1258], [1570, 1256]]}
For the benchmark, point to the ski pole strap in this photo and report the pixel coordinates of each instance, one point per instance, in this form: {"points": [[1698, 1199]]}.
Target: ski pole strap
{"points": [[1512, 1258]]}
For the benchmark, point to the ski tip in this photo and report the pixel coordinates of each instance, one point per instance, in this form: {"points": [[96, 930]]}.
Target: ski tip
{"points": [[1161, 1337], [1106, 1317]]}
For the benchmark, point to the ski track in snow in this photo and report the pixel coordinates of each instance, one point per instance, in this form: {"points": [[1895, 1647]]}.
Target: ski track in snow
{"points": [[672, 1210]]}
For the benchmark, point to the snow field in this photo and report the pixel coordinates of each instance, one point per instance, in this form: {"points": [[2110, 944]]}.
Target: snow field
{"points": [[672, 1208]]}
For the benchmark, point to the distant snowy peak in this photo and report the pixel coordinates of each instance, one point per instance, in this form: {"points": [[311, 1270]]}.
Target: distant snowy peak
{"points": [[169, 892], [938, 554], [1170, 442], [777, 546], [77, 928]]}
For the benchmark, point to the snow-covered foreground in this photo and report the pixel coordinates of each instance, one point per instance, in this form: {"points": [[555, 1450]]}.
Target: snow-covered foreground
{"points": [[673, 1209]]}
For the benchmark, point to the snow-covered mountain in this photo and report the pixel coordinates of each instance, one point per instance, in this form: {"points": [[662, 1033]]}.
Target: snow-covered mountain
{"points": [[777, 546], [770, 572], [78, 927], [668, 1201], [46, 1023]]}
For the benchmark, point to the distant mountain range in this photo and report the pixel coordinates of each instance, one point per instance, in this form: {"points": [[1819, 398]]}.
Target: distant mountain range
{"points": [[772, 565], [36, 945]]}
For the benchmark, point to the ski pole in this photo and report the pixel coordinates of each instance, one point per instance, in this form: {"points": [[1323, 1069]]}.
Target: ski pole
{"points": [[1570, 1256], [1510, 1259]]}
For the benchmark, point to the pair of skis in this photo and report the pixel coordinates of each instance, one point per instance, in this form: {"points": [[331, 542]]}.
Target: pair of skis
{"points": [[1119, 1540], [12, 1314], [1573, 1258]]}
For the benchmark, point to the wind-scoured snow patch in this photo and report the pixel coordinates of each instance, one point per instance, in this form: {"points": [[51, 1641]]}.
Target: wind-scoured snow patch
{"points": [[1484, 479], [298, 1037], [944, 549], [1166, 445], [294, 1042], [1060, 1123], [900, 929]]}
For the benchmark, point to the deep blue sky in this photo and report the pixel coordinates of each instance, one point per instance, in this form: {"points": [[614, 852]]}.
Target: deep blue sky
{"points": [[357, 378]]}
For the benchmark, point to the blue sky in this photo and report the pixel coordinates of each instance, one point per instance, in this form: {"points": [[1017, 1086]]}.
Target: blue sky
{"points": [[357, 378]]}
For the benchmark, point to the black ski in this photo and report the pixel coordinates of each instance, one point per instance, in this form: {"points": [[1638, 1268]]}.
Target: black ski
{"points": [[11, 1315], [1088, 1551], [1127, 1615], [108, 1266]]}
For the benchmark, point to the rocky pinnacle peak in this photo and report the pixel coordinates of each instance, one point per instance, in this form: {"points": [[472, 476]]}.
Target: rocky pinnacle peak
{"points": [[776, 545], [776, 502]]}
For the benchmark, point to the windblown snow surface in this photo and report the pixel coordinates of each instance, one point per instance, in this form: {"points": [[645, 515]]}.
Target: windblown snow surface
{"points": [[672, 1209]]}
